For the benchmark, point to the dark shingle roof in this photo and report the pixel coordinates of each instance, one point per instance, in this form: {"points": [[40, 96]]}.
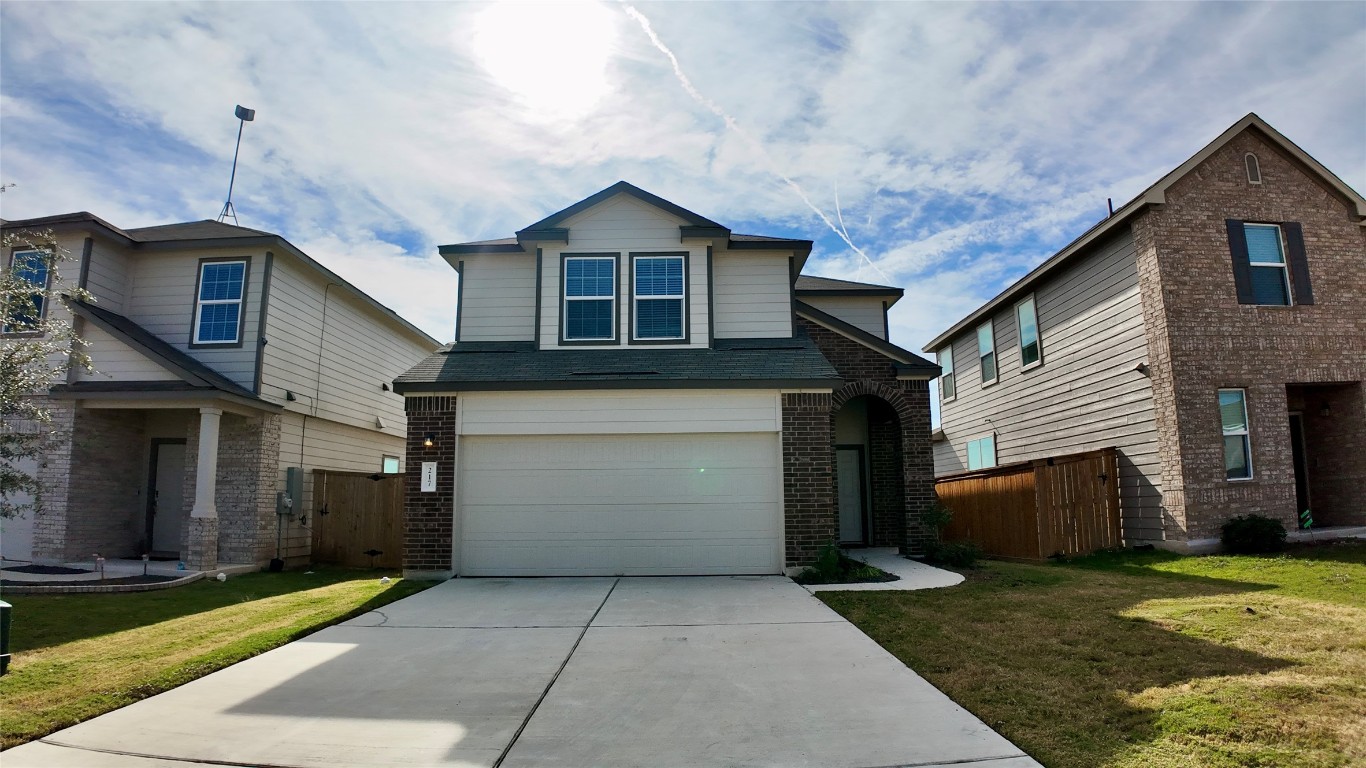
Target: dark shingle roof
{"points": [[812, 284], [907, 361], [791, 362], [207, 229], [155, 348]]}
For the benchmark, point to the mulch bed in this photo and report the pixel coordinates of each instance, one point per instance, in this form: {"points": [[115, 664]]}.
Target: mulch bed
{"points": [[49, 570], [87, 582]]}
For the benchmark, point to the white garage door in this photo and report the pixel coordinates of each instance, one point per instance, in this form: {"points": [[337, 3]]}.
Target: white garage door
{"points": [[562, 505]]}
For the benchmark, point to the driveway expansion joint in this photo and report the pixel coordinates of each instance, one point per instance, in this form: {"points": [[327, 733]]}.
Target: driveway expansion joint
{"points": [[497, 763], [968, 761], [167, 758]]}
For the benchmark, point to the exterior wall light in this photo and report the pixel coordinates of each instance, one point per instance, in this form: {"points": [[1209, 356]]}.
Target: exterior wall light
{"points": [[429, 441]]}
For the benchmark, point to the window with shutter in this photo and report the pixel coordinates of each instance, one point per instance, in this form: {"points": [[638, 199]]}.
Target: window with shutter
{"points": [[1269, 263]]}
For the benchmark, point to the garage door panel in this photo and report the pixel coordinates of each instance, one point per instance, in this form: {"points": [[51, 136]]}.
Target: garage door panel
{"points": [[619, 504]]}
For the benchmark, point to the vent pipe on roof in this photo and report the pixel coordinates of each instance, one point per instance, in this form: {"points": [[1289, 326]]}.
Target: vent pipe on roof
{"points": [[1110, 201]]}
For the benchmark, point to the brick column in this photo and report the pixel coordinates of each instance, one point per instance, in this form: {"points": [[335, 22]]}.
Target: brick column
{"points": [[429, 518], [917, 462], [54, 474], [808, 476]]}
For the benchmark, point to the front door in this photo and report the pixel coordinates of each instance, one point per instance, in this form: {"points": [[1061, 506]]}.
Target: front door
{"points": [[166, 496], [1301, 466], [853, 509]]}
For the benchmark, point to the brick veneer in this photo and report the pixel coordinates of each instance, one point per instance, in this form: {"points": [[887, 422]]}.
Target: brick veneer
{"points": [[428, 518], [808, 476], [869, 373], [1201, 339], [105, 505]]}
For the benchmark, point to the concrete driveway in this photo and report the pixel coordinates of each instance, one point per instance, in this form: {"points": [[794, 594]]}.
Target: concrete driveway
{"points": [[725, 671]]}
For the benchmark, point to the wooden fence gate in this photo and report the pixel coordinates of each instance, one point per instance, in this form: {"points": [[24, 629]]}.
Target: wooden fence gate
{"points": [[1063, 505], [357, 513]]}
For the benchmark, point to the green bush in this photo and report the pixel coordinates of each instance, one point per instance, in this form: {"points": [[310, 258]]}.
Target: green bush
{"points": [[955, 554], [1251, 534], [834, 567]]}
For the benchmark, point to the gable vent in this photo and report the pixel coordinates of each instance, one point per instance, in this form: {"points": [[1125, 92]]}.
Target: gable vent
{"points": [[1254, 171]]}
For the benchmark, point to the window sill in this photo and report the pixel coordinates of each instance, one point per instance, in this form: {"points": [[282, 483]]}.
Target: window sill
{"points": [[1032, 366]]}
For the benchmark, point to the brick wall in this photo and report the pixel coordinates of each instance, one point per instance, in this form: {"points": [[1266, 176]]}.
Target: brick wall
{"points": [[244, 494], [428, 518], [885, 470], [808, 475], [54, 474], [1335, 462], [106, 504], [1201, 339], [869, 373]]}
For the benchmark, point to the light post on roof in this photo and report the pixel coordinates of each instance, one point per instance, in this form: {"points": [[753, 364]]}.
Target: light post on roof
{"points": [[245, 116]]}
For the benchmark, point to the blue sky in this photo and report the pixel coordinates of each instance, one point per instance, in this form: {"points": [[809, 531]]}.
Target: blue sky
{"points": [[959, 143]]}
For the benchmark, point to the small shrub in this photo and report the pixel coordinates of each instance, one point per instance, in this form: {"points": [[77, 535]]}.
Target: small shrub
{"points": [[834, 567], [1252, 534], [955, 554]]}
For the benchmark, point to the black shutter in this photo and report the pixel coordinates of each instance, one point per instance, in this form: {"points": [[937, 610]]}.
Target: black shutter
{"points": [[1242, 273], [1299, 265]]}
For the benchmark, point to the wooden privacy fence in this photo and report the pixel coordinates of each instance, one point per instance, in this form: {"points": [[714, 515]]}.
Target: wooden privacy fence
{"points": [[1035, 509], [355, 513]]}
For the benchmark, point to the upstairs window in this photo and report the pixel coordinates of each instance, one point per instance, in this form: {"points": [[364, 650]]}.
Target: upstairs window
{"points": [[659, 297], [1237, 440], [218, 308], [946, 381], [26, 307], [1269, 263], [986, 352], [590, 298], [1028, 318], [982, 452]]}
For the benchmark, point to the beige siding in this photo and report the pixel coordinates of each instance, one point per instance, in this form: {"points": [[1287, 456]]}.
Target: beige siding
{"points": [[862, 312], [622, 226], [116, 361], [162, 300], [617, 412], [498, 297], [1085, 396], [107, 277], [336, 372], [324, 444], [753, 295]]}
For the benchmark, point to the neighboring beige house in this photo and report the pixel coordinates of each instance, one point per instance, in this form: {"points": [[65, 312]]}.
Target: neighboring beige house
{"points": [[635, 389], [1213, 330], [224, 357]]}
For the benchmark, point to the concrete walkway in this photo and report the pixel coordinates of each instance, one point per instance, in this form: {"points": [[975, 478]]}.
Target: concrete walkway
{"points": [[733, 671]]}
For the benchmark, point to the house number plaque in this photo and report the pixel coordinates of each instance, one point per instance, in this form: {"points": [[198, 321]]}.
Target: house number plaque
{"points": [[429, 477]]}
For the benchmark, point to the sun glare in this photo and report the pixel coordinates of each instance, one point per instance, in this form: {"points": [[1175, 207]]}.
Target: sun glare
{"points": [[551, 56]]}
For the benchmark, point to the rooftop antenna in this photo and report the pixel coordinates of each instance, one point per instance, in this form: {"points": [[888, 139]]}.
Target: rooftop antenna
{"points": [[245, 116]]}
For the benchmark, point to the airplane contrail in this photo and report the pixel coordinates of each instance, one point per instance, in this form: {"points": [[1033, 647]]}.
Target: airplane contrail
{"points": [[734, 125]]}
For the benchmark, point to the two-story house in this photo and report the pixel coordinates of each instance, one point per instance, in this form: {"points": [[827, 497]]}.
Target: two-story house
{"points": [[1213, 330], [635, 389], [224, 358]]}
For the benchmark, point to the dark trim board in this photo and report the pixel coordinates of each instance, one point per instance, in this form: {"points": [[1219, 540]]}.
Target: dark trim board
{"points": [[269, 269], [86, 250], [437, 387], [460, 295], [536, 332], [711, 300]]}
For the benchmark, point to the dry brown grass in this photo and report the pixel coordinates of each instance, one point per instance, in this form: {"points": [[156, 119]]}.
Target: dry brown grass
{"points": [[1148, 660]]}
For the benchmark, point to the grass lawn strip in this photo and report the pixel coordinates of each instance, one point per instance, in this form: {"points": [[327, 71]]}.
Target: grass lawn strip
{"points": [[1146, 659], [78, 656]]}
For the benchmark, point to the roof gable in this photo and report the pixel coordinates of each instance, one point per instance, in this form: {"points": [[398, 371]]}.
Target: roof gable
{"points": [[1156, 194], [557, 219]]}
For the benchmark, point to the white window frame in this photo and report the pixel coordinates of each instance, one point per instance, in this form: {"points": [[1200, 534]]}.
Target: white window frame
{"points": [[1253, 166], [1245, 433], [384, 461], [566, 298], [1019, 333], [1284, 264], [943, 356], [995, 358], [681, 298], [200, 303], [978, 442]]}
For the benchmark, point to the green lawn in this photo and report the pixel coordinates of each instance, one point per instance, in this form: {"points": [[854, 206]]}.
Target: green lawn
{"points": [[1148, 659], [78, 656]]}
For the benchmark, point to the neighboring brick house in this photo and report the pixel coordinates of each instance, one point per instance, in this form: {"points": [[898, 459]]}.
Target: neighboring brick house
{"points": [[1213, 330], [635, 389], [224, 356]]}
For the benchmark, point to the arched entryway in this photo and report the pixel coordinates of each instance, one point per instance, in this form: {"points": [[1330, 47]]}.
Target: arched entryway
{"points": [[869, 465]]}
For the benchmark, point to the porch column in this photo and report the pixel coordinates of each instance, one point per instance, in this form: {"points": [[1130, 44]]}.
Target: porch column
{"points": [[201, 550]]}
